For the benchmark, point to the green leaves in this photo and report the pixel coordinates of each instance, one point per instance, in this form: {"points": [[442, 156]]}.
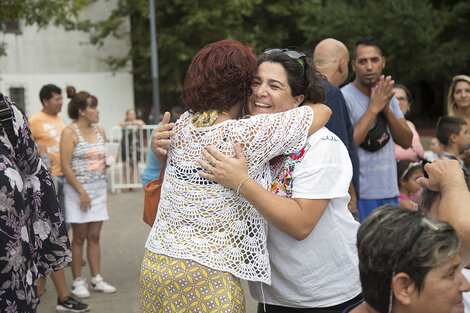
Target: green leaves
{"points": [[43, 12], [62, 13], [423, 39]]}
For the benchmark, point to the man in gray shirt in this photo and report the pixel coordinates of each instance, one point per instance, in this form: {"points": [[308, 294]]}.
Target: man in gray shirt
{"points": [[370, 102]]}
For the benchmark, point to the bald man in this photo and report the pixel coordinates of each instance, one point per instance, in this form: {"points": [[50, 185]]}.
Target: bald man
{"points": [[331, 58]]}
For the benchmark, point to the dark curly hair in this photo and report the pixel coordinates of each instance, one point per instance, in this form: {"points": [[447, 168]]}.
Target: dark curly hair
{"points": [[302, 81], [219, 76]]}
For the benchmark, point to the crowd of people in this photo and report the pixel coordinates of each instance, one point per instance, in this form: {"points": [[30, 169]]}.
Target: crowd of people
{"points": [[320, 196], [306, 250], [60, 172]]}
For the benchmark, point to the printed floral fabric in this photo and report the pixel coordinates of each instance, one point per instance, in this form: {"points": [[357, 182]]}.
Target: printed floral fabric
{"points": [[281, 171], [33, 236]]}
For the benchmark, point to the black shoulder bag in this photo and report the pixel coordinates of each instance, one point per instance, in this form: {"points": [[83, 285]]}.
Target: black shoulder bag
{"points": [[378, 136]]}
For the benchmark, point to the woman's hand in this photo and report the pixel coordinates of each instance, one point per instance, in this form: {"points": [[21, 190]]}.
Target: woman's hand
{"points": [[85, 201], [161, 138], [229, 172]]}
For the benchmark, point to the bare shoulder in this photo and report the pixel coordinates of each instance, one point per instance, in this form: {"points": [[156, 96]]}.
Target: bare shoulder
{"points": [[69, 132], [101, 130]]}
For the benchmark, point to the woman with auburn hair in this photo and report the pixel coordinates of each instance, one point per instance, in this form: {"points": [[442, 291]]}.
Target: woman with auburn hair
{"points": [[205, 236], [458, 104], [82, 158]]}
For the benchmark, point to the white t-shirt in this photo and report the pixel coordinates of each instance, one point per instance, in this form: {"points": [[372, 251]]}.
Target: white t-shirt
{"points": [[203, 221], [321, 270]]}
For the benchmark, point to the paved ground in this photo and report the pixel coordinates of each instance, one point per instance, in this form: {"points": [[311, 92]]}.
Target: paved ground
{"points": [[122, 248]]}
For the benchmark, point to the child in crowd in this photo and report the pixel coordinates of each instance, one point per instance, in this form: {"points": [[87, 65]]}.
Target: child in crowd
{"points": [[452, 132], [437, 150], [408, 173]]}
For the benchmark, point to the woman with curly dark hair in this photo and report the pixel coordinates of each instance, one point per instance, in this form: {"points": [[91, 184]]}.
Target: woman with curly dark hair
{"points": [[205, 236], [311, 235]]}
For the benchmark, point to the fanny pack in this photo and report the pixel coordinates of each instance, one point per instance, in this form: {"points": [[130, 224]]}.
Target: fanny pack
{"points": [[378, 136]]}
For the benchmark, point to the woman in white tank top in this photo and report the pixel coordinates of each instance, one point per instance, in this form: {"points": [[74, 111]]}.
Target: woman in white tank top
{"points": [[82, 154]]}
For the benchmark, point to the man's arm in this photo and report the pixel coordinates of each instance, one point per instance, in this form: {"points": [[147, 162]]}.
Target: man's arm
{"points": [[446, 176], [401, 133], [379, 99]]}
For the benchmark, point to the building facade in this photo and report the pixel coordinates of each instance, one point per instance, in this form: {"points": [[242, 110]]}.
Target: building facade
{"points": [[36, 57]]}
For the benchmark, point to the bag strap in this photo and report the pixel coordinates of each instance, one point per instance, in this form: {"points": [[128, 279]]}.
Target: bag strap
{"points": [[6, 118]]}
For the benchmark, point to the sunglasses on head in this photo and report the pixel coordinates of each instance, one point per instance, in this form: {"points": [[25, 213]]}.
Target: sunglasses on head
{"points": [[296, 55]]}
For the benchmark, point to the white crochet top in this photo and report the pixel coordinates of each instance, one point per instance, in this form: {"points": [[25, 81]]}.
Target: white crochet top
{"points": [[203, 221]]}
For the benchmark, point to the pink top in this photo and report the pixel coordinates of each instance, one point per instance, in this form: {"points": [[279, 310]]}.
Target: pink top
{"points": [[405, 198], [415, 150]]}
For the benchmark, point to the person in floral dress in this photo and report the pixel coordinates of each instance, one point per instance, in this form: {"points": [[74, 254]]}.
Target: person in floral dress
{"points": [[32, 230]]}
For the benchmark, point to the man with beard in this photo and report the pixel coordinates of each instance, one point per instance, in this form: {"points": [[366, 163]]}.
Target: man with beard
{"points": [[377, 118]]}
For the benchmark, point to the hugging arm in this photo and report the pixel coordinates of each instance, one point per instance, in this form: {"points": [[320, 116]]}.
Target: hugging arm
{"points": [[295, 217], [160, 142], [321, 115]]}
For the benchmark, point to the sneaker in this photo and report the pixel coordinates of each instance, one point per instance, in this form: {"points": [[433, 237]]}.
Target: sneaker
{"points": [[80, 288], [98, 284], [71, 305]]}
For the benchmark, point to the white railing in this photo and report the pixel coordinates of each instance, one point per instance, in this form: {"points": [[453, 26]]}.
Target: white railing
{"points": [[132, 153]]}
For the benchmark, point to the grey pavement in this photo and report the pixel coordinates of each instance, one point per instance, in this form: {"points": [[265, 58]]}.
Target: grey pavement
{"points": [[122, 248]]}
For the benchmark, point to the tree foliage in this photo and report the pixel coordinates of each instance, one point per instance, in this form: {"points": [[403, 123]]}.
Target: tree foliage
{"points": [[424, 40], [62, 13]]}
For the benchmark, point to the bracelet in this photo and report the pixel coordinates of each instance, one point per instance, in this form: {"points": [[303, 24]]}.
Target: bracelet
{"points": [[239, 186]]}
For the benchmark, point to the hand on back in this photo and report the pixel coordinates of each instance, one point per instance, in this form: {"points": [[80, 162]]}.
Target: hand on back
{"points": [[160, 142]]}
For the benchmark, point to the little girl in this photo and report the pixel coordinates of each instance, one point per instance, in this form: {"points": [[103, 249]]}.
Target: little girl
{"points": [[408, 172]]}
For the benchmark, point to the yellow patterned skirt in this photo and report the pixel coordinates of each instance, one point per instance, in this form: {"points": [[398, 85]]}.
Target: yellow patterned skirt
{"points": [[178, 285]]}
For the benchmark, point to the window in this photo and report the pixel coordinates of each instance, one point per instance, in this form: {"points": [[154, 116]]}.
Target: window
{"points": [[12, 27], [17, 95]]}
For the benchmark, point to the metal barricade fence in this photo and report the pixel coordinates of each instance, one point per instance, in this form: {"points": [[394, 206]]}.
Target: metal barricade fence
{"points": [[133, 143]]}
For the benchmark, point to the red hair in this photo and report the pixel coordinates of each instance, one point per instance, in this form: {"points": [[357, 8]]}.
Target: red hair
{"points": [[219, 76]]}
